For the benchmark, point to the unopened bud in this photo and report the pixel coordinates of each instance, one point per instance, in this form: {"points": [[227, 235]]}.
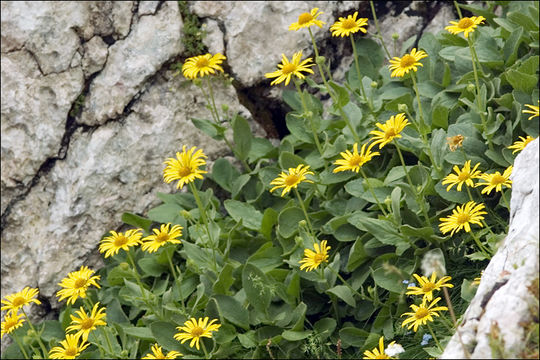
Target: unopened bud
{"points": [[124, 354], [302, 223], [374, 84], [298, 240], [124, 266], [388, 201], [225, 107], [186, 214], [320, 60], [403, 108], [197, 82], [471, 87], [395, 36]]}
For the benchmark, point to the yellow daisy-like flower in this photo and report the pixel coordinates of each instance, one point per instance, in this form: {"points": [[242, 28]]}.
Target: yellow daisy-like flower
{"points": [[313, 259], [496, 181], [292, 179], [354, 161], [408, 62], [462, 176], [202, 65], [157, 353], [194, 330], [185, 168], [427, 286], [307, 20], [112, 244], [12, 321], [378, 353], [84, 323], [349, 25], [521, 143], [288, 69], [463, 217], [465, 25], [161, 237], [422, 314], [76, 284], [476, 280], [14, 302], [454, 142], [390, 130], [534, 110], [70, 348]]}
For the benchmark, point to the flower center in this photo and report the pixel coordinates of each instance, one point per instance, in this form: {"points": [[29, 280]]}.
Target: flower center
{"points": [[355, 160], [10, 323], [162, 237], [202, 62], [288, 68], [291, 180], [348, 24], [71, 351], [463, 218], [421, 313], [87, 324], [465, 23], [120, 241], [463, 176], [304, 18], [427, 287], [390, 133], [197, 331], [497, 179], [184, 171], [407, 61], [318, 258], [18, 301], [79, 283]]}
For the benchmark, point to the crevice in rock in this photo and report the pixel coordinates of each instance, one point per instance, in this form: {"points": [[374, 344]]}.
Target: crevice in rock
{"points": [[490, 293], [158, 7]]}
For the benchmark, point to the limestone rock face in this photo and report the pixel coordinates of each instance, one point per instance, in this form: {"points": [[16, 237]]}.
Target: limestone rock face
{"points": [[504, 298]]}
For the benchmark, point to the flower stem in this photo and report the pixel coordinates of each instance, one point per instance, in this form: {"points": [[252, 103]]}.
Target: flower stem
{"points": [[359, 74], [195, 193], [38, 336], [303, 206], [372, 193], [434, 337], [504, 199], [204, 349], [363, 297], [480, 104], [138, 278], [22, 347], [379, 34], [454, 321], [308, 114], [458, 9], [480, 245]]}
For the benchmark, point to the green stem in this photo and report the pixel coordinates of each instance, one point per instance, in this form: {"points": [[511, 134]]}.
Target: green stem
{"points": [[420, 112], [169, 259], [22, 347], [378, 29], [359, 74], [204, 349], [195, 193], [434, 337], [458, 9], [480, 245], [504, 199], [363, 297], [479, 102], [38, 336], [302, 205], [309, 116], [372, 193], [109, 345], [139, 282]]}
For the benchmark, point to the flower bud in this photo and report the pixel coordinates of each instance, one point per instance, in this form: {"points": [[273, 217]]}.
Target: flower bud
{"points": [[186, 215], [374, 84], [302, 223], [395, 36], [299, 241], [224, 107], [320, 60], [402, 108], [124, 266], [471, 87]]}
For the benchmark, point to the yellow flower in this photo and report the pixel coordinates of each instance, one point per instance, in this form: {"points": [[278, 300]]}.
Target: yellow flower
{"points": [[292, 179], [476, 280], [534, 110], [496, 181], [17, 300], [462, 217], [12, 320], [307, 20], [520, 144], [390, 129], [112, 244], [422, 314], [454, 142], [463, 176], [202, 65], [84, 323], [161, 237], [313, 259], [349, 25], [157, 353], [185, 168], [427, 286], [354, 161], [287, 69], [465, 25], [408, 62], [195, 330], [70, 348], [378, 353], [76, 284]]}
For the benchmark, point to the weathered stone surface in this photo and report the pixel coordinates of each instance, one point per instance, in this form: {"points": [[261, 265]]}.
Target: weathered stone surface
{"points": [[152, 41], [504, 298], [148, 7], [95, 55]]}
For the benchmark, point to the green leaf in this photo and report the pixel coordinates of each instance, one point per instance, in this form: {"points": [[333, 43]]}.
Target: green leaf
{"points": [[351, 336], [242, 137], [341, 93], [289, 160], [468, 290], [251, 217], [389, 280], [115, 313], [325, 327], [383, 230], [52, 330], [163, 334], [357, 255], [223, 173], [344, 293], [209, 128], [266, 258], [511, 45], [201, 257], [270, 218], [232, 310], [137, 221], [248, 339], [296, 335], [292, 99], [224, 281], [298, 128], [238, 184], [521, 81], [139, 332], [167, 213], [255, 284], [150, 267], [288, 220], [452, 195]]}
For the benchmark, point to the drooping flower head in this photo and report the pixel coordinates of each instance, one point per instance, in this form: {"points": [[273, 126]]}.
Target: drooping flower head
{"points": [[466, 25], [69, 349], [290, 180], [161, 237], [76, 284], [378, 353], [521, 143], [287, 69], [84, 323], [496, 181], [462, 176], [202, 65], [402, 66], [185, 168], [195, 330], [390, 130], [462, 217], [534, 110], [13, 302], [307, 20], [349, 25], [12, 321], [422, 314], [454, 142], [157, 353], [427, 286], [312, 259], [120, 241], [354, 161]]}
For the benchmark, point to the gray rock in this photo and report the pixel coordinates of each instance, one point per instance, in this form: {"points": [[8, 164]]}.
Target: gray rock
{"points": [[148, 7], [95, 55]]}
